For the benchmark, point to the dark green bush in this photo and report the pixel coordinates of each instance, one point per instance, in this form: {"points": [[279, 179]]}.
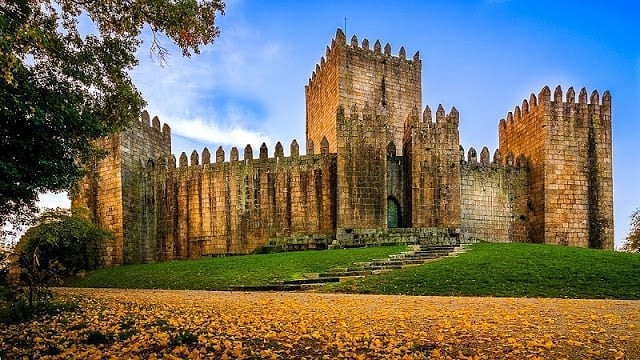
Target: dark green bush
{"points": [[22, 304], [62, 243]]}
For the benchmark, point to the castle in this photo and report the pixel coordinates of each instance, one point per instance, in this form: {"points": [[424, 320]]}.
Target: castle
{"points": [[374, 166]]}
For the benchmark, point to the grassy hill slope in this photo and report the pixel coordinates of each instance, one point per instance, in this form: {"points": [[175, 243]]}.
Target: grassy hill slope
{"points": [[516, 270], [221, 272]]}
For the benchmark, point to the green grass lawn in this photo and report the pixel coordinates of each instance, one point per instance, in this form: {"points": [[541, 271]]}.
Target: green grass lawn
{"points": [[515, 270], [220, 273]]}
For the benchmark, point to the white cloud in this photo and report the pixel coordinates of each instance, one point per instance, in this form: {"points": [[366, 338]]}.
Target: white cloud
{"points": [[224, 96], [210, 132]]}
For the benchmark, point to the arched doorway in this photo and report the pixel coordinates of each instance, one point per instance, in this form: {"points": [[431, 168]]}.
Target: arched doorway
{"points": [[393, 213]]}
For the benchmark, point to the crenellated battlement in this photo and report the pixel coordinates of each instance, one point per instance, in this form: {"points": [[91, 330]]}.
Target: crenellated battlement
{"points": [[374, 161], [545, 102], [471, 159], [145, 138], [204, 160], [356, 73], [368, 117], [339, 43], [443, 120], [567, 144], [145, 122], [427, 129], [232, 206]]}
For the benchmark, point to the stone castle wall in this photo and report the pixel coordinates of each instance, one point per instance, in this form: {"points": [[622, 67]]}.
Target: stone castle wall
{"points": [[432, 151], [568, 148], [493, 197], [111, 190], [145, 140], [204, 208], [355, 74], [523, 133], [362, 168], [101, 191], [380, 165], [322, 100]]}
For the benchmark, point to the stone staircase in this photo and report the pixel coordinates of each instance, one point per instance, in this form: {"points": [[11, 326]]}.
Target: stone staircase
{"points": [[415, 255]]}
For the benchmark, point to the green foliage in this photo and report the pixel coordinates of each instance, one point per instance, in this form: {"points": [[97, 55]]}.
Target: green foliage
{"points": [[514, 270], [22, 304], [60, 89], [63, 243], [511, 270], [4, 267], [183, 337], [220, 273], [632, 241], [96, 337]]}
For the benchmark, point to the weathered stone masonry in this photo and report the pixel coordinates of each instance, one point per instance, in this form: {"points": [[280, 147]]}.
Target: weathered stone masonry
{"points": [[568, 149], [372, 163]]}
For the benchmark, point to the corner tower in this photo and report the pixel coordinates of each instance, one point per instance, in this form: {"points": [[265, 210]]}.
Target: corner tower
{"points": [[354, 74], [568, 149], [112, 189]]}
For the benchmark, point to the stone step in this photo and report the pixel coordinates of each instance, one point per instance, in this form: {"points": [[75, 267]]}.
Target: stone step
{"points": [[319, 280], [384, 267], [417, 257], [411, 265], [304, 287], [380, 271], [430, 249], [435, 253], [434, 247], [416, 261], [344, 269], [344, 273], [377, 262], [362, 263], [267, 287]]}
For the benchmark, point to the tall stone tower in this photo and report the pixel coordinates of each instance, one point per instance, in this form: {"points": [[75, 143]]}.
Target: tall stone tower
{"points": [[432, 150], [353, 74], [113, 193], [568, 148], [358, 99]]}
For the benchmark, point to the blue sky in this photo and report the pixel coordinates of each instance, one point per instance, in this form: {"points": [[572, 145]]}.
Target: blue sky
{"points": [[483, 57]]}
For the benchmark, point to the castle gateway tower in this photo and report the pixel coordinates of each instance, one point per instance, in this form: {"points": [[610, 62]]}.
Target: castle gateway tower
{"points": [[377, 168]]}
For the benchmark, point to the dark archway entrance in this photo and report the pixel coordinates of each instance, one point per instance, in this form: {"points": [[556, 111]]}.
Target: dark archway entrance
{"points": [[393, 213]]}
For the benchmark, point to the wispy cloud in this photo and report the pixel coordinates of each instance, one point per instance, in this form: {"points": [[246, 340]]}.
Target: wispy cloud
{"points": [[210, 132], [209, 98]]}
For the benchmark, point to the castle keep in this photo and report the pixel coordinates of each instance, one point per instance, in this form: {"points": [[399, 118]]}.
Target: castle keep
{"points": [[376, 166]]}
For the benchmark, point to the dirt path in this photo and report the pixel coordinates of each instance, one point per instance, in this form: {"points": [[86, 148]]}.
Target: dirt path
{"points": [[200, 324]]}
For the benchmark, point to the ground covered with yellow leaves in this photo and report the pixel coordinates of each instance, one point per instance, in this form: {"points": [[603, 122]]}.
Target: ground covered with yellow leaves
{"points": [[151, 324]]}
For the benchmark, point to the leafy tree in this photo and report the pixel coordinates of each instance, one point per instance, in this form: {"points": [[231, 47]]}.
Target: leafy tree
{"points": [[60, 89], [62, 243], [4, 267], [632, 243]]}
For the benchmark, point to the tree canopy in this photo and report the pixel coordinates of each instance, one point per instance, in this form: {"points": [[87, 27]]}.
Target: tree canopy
{"points": [[632, 243], [61, 89], [66, 238]]}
